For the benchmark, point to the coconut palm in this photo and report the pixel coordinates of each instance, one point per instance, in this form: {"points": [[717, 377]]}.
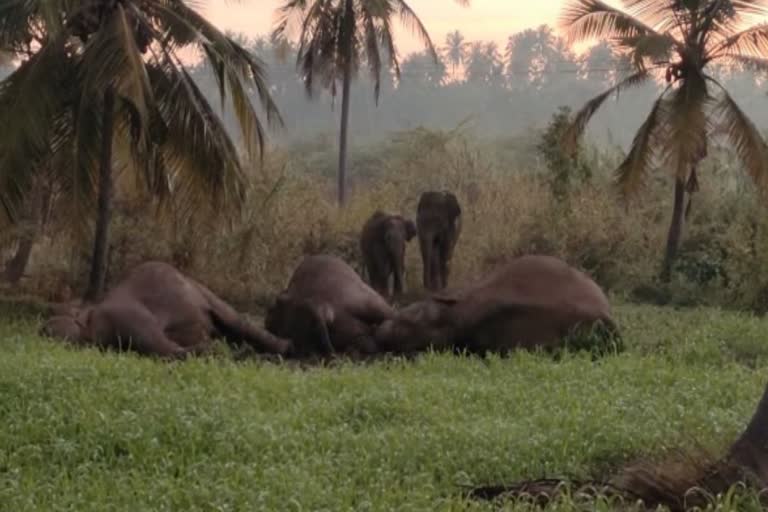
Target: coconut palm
{"points": [[679, 41], [455, 50], [97, 73], [336, 37]]}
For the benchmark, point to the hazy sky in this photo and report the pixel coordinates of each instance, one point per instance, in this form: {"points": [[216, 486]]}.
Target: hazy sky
{"points": [[484, 19]]}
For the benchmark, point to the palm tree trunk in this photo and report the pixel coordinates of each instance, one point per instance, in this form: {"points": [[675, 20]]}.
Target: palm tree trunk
{"points": [[675, 230], [104, 212], [346, 85]]}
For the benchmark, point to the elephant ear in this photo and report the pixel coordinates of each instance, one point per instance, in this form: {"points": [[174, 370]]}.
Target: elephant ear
{"points": [[453, 204]]}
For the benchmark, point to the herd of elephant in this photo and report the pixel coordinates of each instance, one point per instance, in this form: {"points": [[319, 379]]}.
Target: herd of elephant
{"points": [[328, 310]]}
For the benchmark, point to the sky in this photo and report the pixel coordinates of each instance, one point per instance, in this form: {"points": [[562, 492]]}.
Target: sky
{"points": [[483, 19]]}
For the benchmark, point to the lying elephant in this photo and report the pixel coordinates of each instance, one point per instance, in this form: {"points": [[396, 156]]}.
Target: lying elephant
{"points": [[382, 242], [327, 307], [532, 301], [156, 310]]}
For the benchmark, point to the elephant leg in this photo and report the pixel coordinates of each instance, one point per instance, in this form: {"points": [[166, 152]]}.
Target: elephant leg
{"points": [[379, 280], [235, 330], [436, 267], [443, 264], [425, 245], [231, 326], [398, 272]]}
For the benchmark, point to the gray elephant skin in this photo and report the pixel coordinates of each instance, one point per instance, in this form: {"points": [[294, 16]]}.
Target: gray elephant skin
{"points": [[383, 242], [531, 301], [327, 308], [438, 223], [156, 310]]}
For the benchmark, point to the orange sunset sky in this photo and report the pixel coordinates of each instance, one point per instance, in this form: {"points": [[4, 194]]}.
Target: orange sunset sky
{"points": [[483, 19]]}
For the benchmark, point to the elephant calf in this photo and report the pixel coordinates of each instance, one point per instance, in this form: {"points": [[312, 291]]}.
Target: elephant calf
{"points": [[532, 301], [438, 222], [327, 308], [156, 310], [382, 243]]}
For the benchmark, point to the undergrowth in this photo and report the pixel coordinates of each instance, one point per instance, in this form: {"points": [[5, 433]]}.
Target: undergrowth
{"points": [[82, 430]]}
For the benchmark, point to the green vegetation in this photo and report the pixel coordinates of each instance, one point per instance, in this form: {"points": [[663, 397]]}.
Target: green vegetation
{"points": [[100, 88], [336, 37], [688, 40], [83, 430]]}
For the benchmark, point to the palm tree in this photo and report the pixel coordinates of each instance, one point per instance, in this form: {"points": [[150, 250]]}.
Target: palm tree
{"points": [[97, 73], [336, 36], [455, 50], [483, 64], [419, 69], [681, 41]]}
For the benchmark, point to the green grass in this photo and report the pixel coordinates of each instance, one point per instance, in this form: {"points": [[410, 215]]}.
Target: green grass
{"points": [[81, 430]]}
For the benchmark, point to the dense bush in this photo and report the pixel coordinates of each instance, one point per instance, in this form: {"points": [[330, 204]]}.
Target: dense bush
{"points": [[507, 211]]}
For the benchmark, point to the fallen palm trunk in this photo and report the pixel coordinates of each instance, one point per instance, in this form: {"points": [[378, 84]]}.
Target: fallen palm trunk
{"points": [[682, 481]]}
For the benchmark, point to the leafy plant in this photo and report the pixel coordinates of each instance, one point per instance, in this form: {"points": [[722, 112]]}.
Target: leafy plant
{"points": [[564, 167], [683, 42], [101, 85]]}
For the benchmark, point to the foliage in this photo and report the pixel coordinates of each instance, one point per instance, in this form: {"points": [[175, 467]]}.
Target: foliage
{"points": [[694, 103], [71, 52], [211, 433], [564, 166]]}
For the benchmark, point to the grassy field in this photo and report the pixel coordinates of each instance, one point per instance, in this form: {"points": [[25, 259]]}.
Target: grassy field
{"points": [[80, 430]]}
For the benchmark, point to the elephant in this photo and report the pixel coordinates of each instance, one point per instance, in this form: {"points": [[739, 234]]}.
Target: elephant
{"points": [[438, 224], [327, 307], [156, 310], [531, 301], [382, 243]]}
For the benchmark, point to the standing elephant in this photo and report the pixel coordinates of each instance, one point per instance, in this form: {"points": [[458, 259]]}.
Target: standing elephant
{"points": [[327, 305], [156, 310], [438, 222], [532, 301], [382, 243]]}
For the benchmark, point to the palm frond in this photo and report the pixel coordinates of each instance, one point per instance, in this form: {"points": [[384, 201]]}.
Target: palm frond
{"points": [[584, 20], [31, 99], [198, 156], [235, 70], [630, 175], [687, 125], [745, 138], [112, 59], [659, 14], [752, 41], [656, 47], [576, 128], [21, 20], [414, 24], [371, 41]]}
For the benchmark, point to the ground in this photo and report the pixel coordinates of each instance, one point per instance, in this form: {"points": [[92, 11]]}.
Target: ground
{"points": [[80, 430]]}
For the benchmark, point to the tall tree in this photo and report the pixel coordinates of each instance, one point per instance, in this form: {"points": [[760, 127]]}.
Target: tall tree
{"points": [[681, 40], [455, 50], [421, 70], [336, 36], [536, 56], [483, 64], [100, 72]]}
